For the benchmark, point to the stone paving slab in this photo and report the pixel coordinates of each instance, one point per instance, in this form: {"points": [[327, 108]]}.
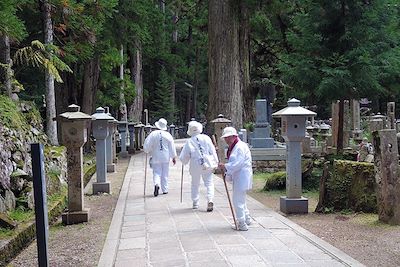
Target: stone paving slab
{"points": [[162, 231]]}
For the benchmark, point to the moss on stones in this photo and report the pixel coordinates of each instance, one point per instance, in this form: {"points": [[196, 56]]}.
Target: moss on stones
{"points": [[351, 186]]}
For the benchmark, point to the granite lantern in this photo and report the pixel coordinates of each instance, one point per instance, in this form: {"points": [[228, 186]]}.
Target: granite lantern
{"points": [[147, 129], [172, 130], [293, 131], [219, 124], [73, 124], [110, 142], [100, 129], [139, 135], [131, 129], [122, 129]]}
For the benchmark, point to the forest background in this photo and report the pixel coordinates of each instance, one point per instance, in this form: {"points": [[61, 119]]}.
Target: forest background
{"points": [[196, 58]]}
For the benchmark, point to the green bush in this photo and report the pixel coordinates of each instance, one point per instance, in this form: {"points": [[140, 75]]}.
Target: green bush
{"points": [[275, 181]]}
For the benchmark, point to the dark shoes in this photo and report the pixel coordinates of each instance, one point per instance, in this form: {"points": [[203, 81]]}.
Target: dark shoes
{"points": [[210, 206], [156, 188], [165, 193]]}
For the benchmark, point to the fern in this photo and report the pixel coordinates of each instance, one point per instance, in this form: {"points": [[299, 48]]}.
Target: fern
{"points": [[40, 55]]}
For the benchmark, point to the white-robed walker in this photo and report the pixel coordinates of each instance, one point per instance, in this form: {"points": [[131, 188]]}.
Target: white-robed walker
{"points": [[196, 148], [161, 147], [239, 171]]}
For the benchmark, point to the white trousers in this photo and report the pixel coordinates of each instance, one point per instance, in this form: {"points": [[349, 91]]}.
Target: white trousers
{"points": [[239, 204], [160, 175], [208, 183]]}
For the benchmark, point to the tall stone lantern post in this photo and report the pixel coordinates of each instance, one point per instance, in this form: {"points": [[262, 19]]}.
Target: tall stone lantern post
{"points": [[73, 125], [101, 130], [122, 128], [110, 142], [293, 131], [219, 124]]}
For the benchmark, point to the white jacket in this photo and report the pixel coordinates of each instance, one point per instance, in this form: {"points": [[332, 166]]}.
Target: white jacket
{"points": [[160, 145], [239, 167], [191, 151]]}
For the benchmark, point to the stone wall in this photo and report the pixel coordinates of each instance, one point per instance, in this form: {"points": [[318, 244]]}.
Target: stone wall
{"points": [[21, 125], [269, 165]]}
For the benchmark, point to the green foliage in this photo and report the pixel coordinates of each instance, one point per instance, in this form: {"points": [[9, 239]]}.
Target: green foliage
{"points": [[20, 214], [10, 116], [161, 105], [351, 186], [342, 52], [273, 181], [43, 56], [10, 24]]}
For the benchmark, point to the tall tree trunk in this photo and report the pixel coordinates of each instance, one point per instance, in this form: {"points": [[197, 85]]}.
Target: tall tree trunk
{"points": [[340, 126], [123, 114], [249, 94], [5, 58], [224, 77], [196, 82], [173, 52], [136, 109], [90, 84], [51, 126]]}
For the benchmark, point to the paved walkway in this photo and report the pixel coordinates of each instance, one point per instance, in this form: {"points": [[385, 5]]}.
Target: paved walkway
{"points": [[162, 231]]}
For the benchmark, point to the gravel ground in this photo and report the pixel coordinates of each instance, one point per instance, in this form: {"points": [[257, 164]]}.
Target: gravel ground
{"points": [[359, 235], [80, 244]]}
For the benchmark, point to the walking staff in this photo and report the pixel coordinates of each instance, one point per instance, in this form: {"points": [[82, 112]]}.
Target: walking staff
{"points": [[182, 182], [226, 187], [145, 176]]}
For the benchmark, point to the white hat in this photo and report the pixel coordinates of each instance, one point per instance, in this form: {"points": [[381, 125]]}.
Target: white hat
{"points": [[194, 128], [229, 131], [161, 124]]}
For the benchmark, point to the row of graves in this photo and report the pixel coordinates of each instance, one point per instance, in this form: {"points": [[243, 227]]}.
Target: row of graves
{"points": [[361, 177]]}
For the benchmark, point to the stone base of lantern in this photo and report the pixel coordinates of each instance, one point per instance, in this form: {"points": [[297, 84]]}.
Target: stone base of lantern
{"points": [[131, 150], [293, 205], [74, 217], [101, 187], [111, 167]]}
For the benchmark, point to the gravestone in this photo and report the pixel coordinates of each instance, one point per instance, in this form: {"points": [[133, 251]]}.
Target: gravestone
{"points": [[335, 123], [262, 132], [391, 115], [386, 175]]}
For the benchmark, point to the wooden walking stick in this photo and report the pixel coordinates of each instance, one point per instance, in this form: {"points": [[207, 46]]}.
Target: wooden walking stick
{"points": [[182, 182], [145, 175], [230, 202], [226, 186]]}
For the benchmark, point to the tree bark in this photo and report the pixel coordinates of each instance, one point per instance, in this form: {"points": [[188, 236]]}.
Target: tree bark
{"points": [[90, 84], [136, 109], [225, 94], [244, 50], [51, 125], [5, 58], [123, 114]]}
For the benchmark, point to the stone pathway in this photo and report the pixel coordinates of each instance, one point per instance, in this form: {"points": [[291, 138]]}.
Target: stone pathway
{"points": [[162, 231]]}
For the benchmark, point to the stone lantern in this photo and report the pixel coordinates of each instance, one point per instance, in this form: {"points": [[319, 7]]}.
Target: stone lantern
{"points": [[324, 133], [100, 129], [172, 130], [139, 135], [131, 128], [293, 130], [219, 124], [73, 124], [122, 129], [110, 142], [147, 129]]}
